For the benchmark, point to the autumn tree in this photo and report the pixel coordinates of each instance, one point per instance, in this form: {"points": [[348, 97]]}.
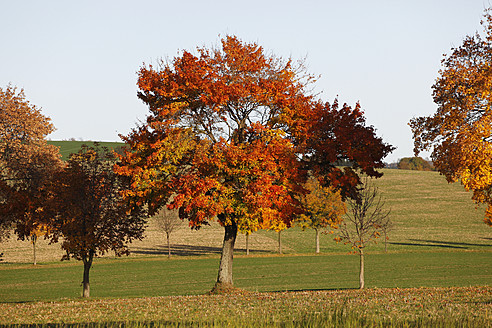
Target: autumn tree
{"points": [[366, 218], [415, 163], [323, 208], [229, 136], [27, 162], [89, 213], [247, 228], [39, 231], [278, 227], [459, 133], [167, 221]]}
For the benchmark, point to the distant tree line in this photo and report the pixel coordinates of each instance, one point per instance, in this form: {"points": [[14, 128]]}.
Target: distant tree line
{"points": [[415, 163]]}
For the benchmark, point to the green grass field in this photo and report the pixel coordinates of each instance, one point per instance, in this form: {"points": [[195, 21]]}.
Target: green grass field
{"points": [[69, 147], [439, 241], [157, 276]]}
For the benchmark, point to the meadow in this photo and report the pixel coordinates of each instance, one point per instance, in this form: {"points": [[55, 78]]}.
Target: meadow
{"points": [[68, 147], [437, 272]]}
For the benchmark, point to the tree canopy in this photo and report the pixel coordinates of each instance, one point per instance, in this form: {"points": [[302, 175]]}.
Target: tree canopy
{"points": [[323, 208], [88, 212], [415, 163], [27, 161], [459, 132], [231, 135]]}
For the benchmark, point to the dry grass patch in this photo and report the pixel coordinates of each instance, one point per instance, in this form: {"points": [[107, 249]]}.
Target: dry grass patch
{"points": [[383, 305]]}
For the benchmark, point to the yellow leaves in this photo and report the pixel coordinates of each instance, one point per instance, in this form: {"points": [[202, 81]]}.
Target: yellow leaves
{"points": [[460, 132], [323, 206], [488, 216]]}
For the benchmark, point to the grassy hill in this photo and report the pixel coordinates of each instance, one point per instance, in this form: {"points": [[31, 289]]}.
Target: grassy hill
{"points": [[68, 147], [429, 215]]}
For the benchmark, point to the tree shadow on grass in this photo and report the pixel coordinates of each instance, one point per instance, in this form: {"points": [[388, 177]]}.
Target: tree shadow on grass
{"points": [[441, 244], [187, 250]]}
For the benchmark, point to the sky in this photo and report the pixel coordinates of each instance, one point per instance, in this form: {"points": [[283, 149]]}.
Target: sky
{"points": [[77, 60]]}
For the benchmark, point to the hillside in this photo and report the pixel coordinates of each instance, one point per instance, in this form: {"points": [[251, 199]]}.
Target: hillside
{"points": [[68, 147], [429, 215]]}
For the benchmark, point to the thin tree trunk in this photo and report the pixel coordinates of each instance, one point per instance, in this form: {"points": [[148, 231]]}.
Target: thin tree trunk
{"points": [[385, 243], [34, 240], [317, 241], [247, 243], [224, 278], [279, 243], [361, 275], [86, 289], [168, 246]]}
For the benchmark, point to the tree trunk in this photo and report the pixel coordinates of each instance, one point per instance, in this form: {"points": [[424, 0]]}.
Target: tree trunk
{"points": [[224, 278], [385, 243], [361, 275], [247, 243], [86, 289], [317, 241], [34, 240], [168, 246], [279, 243]]}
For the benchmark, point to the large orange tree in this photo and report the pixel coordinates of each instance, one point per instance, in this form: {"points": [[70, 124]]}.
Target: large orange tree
{"points": [[459, 133], [231, 135]]}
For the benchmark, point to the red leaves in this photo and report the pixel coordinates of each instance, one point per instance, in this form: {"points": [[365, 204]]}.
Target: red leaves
{"points": [[232, 132], [332, 136], [88, 209]]}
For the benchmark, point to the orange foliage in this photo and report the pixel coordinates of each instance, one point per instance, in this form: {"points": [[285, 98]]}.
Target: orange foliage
{"points": [[232, 134], [234, 131], [27, 161], [323, 207], [460, 132]]}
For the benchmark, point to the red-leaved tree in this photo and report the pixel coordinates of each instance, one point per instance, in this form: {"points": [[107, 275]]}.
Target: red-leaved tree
{"points": [[231, 135], [88, 211]]}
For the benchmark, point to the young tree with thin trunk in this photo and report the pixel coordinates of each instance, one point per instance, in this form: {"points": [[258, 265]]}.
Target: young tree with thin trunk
{"points": [[247, 228], [386, 227], [168, 221], [364, 221], [230, 138], [324, 208], [88, 211], [247, 234], [39, 231]]}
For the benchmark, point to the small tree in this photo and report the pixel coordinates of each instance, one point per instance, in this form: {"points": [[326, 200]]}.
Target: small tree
{"points": [[168, 221], [278, 227], [323, 208], [89, 211], [247, 228], [39, 231], [364, 222], [386, 227]]}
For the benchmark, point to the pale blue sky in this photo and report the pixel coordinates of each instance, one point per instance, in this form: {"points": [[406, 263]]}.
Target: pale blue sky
{"points": [[78, 60]]}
